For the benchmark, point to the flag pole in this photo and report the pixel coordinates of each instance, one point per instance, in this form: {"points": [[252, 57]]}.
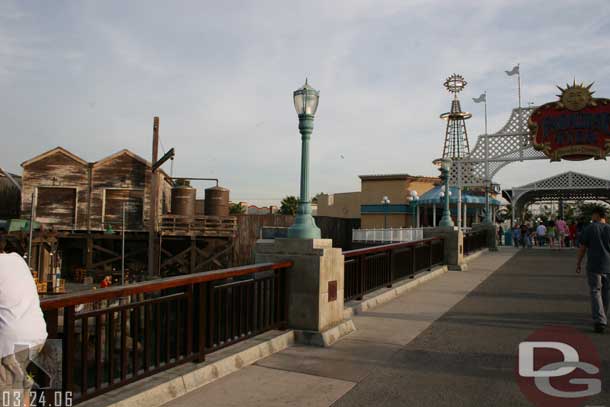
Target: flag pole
{"points": [[519, 85], [485, 112]]}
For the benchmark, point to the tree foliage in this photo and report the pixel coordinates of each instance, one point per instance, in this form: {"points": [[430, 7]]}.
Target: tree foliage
{"points": [[289, 205], [585, 210], [236, 208]]}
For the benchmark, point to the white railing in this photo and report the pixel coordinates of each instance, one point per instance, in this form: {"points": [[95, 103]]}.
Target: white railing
{"points": [[387, 235]]}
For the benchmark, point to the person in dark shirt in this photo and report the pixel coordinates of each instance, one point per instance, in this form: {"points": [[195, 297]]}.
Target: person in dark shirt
{"points": [[595, 242]]}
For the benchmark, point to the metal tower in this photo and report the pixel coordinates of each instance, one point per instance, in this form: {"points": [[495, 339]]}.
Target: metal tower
{"points": [[456, 137]]}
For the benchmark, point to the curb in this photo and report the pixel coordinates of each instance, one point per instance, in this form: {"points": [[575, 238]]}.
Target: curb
{"points": [[166, 386]]}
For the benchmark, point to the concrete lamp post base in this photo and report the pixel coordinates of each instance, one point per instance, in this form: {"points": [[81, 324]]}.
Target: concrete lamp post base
{"points": [[304, 228], [315, 287]]}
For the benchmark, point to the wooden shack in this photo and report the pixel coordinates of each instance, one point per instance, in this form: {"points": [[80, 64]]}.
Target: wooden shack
{"points": [[80, 205], [72, 194], [10, 195]]}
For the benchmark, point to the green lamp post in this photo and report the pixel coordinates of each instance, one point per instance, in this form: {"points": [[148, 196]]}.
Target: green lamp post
{"points": [[306, 103], [445, 165], [487, 220]]}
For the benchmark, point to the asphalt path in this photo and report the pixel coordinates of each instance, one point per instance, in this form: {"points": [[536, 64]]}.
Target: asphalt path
{"points": [[468, 356]]}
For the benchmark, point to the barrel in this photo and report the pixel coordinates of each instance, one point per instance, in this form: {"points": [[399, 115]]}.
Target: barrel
{"points": [[183, 198], [216, 201]]}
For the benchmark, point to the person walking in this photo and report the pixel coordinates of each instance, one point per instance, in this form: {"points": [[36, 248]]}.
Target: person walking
{"points": [[516, 236], [562, 232], [595, 243], [525, 238], [541, 233], [551, 234], [572, 230], [500, 235]]}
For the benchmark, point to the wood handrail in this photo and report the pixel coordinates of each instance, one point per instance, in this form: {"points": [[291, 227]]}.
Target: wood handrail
{"points": [[83, 297], [386, 247]]}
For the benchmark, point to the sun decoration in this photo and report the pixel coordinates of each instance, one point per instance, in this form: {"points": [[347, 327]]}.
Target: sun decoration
{"points": [[455, 83], [576, 97]]}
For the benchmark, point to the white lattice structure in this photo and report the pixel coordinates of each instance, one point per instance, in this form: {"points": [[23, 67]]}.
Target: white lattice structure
{"points": [[567, 186], [494, 151]]}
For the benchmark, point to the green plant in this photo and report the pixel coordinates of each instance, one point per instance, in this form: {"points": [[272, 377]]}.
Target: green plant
{"points": [[236, 208], [289, 205]]}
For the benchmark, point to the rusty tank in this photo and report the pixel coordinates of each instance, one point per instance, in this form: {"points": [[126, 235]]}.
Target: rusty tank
{"points": [[183, 198], [216, 201]]}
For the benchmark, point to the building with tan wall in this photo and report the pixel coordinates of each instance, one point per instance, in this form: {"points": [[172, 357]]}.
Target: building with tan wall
{"points": [[400, 212], [342, 205]]}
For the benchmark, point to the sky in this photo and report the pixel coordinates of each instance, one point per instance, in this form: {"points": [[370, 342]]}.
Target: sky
{"points": [[90, 76]]}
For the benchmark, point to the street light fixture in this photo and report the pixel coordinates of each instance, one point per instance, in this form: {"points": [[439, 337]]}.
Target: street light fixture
{"points": [[445, 165], [306, 103], [386, 202]]}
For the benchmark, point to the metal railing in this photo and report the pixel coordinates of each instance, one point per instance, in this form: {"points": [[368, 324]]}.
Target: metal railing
{"points": [[387, 235], [118, 335], [474, 241], [372, 268]]}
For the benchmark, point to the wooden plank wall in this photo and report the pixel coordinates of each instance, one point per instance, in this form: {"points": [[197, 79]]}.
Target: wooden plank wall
{"points": [[57, 170], [120, 172], [248, 231], [249, 226], [338, 229], [10, 199]]}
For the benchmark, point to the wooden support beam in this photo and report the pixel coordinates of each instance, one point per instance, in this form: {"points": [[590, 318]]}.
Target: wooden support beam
{"points": [[104, 250], [117, 258]]}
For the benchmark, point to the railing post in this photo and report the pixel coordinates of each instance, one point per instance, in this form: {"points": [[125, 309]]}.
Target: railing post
{"points": [[391, 266], [189, 319], [361, 276], [202, 306], [68, 350], [413, 261], [430, 254]]}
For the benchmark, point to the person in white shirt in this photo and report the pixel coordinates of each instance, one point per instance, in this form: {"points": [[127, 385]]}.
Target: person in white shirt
{"points": [[541, 233], [23, 330]]}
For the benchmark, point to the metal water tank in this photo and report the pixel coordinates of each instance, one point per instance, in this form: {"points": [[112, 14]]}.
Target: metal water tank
{"points": [[216, 201], [183, 198]]}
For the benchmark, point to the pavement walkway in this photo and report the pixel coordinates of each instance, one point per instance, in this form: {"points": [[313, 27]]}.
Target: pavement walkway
{"points": [[450, 342]]}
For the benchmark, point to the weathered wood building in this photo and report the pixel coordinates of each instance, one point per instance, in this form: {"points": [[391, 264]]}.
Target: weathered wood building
{"points": [[80, 205], [72, 194], [10, 195]]}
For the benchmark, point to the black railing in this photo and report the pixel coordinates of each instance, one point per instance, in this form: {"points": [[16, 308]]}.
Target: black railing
{"points": [[475, 241], [118, 335], [375, 267]]}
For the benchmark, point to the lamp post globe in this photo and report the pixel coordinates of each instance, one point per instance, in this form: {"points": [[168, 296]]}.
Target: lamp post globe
{"points": [[306, 101], [445, 166], [386, 202], [413, 198]]}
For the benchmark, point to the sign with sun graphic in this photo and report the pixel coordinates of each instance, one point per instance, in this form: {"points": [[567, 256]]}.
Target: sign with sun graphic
{"points": [[577, 127]]}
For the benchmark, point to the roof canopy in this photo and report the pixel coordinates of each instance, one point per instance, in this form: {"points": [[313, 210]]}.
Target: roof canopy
{"points": [[433, 197], [567, 186]]}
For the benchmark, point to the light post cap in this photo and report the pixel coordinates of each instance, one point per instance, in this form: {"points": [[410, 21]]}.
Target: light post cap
{"points": [[306, 100]]}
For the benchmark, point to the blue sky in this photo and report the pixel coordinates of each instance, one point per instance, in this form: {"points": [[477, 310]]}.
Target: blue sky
{"points": [[90, 76]]}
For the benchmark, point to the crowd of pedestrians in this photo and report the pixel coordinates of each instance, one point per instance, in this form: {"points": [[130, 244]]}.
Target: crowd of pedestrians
{"points": [[555, 234]]}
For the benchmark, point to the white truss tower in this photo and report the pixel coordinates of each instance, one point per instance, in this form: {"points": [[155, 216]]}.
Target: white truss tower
{"points": [[492, 152]]}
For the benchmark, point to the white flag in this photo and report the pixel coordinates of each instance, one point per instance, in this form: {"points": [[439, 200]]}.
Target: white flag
{"points": [[513, 71], [480, 99]]}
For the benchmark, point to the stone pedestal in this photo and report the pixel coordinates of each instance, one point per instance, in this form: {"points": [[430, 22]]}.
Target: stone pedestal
{"points": [[492, 241], [454, 246], [315, 285]]}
